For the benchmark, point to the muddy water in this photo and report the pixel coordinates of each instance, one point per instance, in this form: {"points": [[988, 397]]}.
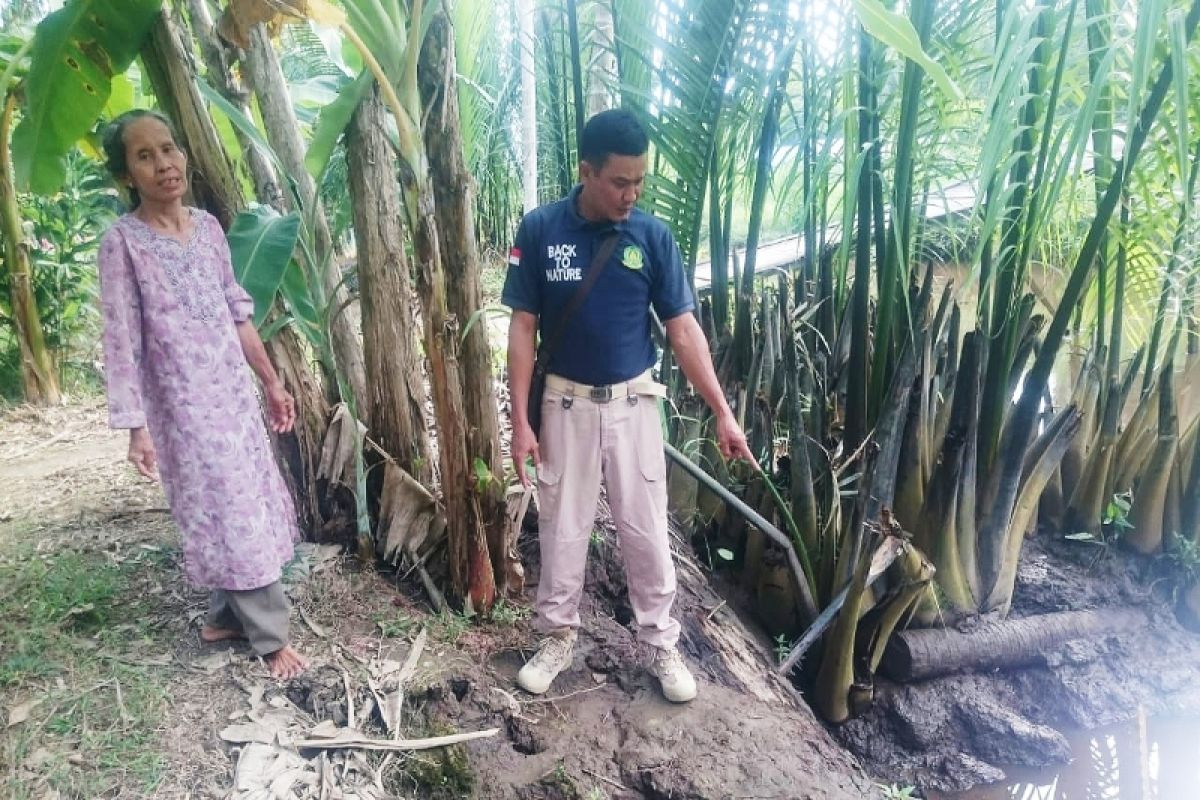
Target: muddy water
{"points": [[1155, 759]]}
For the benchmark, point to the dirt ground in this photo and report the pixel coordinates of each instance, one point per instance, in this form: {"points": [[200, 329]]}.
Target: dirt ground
{"points": [[106, 691]]}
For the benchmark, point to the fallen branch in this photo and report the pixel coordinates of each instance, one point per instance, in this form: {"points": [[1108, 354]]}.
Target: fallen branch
{"points": [[919, 654], [347, 738], [435, 594], [565, 696], [58, 437], [609, 781]]}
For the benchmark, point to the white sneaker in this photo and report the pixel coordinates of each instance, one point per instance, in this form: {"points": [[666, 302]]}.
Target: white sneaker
{"points": [[678, 685], [553, 654]]}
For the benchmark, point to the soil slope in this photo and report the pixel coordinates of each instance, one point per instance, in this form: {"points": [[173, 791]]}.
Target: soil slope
{"points": [[110, 694]]}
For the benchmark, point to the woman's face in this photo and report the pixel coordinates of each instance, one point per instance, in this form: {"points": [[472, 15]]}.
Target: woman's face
{"points": [[157, 167]]}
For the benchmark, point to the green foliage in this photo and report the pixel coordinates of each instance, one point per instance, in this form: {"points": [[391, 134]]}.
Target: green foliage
{"points": [[448, 626], [339, 212], [393, 626], [488, 101], [693, 56], [484, 478], [783, 646], [48, 600], [63, 231], [1184, 557], [54, 609], [76, 52], [893, 791], [1116, 522], [1116, 513], [897, 32], [261, 244], [331, 124], [444, 773], [507, 613]]}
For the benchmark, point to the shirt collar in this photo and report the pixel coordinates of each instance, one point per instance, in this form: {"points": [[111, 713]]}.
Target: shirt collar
{"points": [[576, 221]]}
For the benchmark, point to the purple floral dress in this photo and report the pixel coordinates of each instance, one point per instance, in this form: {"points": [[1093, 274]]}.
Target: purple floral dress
{"points": [[173, 362]]}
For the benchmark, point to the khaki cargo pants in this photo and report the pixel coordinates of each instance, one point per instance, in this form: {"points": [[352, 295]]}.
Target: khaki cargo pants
{"points": [[620, 441]]}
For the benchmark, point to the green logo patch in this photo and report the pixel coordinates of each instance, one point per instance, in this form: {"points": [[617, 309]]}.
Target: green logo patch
{"points": [[632, 257]]}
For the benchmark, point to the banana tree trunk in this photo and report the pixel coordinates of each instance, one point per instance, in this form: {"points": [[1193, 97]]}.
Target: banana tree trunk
{"points": [[394, 404], [39, 376], [471, 573], [283, 132], [169, 65], [218, 73], [299, 452], [455, 209]]}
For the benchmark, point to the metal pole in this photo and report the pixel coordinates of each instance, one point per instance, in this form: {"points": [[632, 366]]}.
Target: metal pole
{"points": [[755, 519]]}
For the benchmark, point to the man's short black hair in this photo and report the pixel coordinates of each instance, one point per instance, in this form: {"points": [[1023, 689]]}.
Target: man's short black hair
{"points": [[612, 132]]}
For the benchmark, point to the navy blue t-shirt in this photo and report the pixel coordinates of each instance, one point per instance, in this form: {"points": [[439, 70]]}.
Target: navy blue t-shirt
{"points": [[608, 339]]}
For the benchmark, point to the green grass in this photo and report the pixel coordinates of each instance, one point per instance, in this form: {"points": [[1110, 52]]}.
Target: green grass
{"points": [[67, 622], [396, 625], [444, 627], [507, 613]]}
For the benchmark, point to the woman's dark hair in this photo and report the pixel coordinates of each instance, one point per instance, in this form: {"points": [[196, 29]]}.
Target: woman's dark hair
{"points": [[613, 132], [114, 144]]}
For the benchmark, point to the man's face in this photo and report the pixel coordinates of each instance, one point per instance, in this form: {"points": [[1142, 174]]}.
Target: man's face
{"points": [[610, 192]]}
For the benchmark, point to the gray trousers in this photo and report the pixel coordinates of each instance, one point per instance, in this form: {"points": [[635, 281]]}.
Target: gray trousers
{"points": [[262, 614]]}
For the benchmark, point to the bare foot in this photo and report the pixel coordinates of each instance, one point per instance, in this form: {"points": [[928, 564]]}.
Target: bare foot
{"points": [[286, 664], [211, 633]]}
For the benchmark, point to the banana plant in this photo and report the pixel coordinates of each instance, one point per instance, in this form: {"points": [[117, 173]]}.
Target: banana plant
{"points": [[74, 57], [389, 41], [76, 52], [39, 374]]}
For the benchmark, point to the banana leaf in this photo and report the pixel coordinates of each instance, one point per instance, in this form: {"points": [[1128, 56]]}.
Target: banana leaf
{"points": [[261, 244], [77, 51]]}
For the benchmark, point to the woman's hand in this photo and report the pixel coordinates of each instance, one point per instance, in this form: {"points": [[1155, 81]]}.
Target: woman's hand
{"points": [[281, 408], [141, 453]]}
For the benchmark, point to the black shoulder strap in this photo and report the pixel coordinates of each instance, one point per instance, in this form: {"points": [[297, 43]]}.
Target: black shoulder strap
{"points": [[589, 280]]}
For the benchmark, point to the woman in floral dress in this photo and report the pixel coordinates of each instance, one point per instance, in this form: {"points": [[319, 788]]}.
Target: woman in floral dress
{"points": [[178, 333]]}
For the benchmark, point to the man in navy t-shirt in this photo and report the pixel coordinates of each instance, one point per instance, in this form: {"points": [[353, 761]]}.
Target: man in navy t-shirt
{"points": [[600, 417]]}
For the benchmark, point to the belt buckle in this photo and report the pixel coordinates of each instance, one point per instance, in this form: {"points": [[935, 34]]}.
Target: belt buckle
{"points": [[600, 394]]}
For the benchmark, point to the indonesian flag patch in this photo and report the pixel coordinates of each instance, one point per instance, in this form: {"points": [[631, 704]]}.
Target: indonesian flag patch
{"points": [[514, 257]]}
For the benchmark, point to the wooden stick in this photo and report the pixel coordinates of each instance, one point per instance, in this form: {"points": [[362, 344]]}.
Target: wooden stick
{"points": [[349, 699], [565, 696], [609, 781], [355, 740]]}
